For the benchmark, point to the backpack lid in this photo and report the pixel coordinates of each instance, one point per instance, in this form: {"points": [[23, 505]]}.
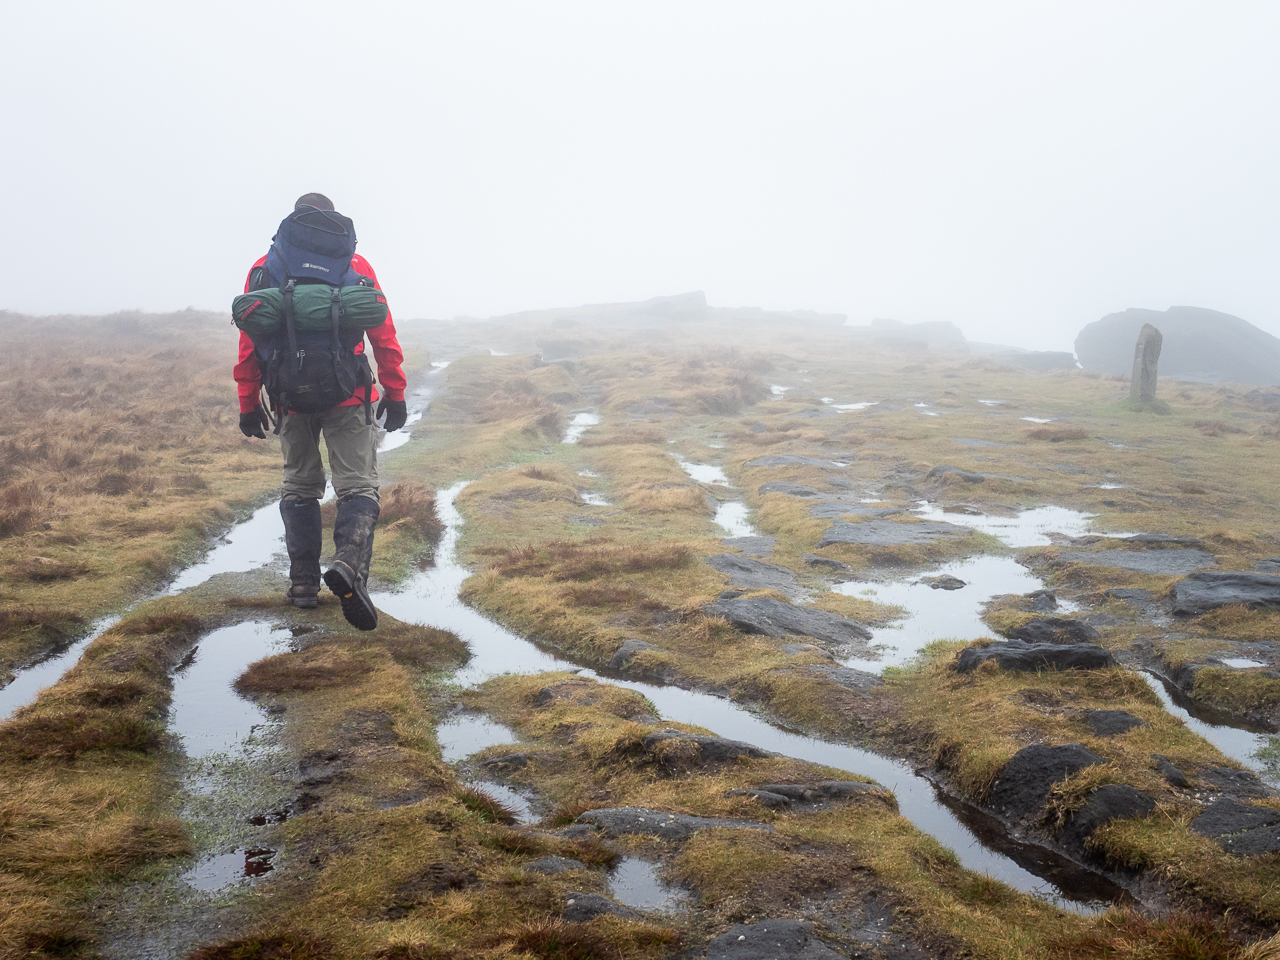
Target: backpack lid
{"points": [[312, 244]]}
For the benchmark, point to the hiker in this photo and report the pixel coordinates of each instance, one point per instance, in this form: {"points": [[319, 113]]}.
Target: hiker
{"points": [[308, 304]]}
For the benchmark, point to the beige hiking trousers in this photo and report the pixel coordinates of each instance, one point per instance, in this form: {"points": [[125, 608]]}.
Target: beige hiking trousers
{"points": [[353, 456]]}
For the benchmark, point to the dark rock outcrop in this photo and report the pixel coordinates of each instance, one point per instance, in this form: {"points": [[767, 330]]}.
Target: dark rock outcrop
{"points": [[1018, 655], [582, 907], [1113, 801], [846, 677], [816, 560], [1172, 775], [622, 657], [774, 618], [1024, 783], [1201, 592], [1240, 828], [1112, 723], [554, 865], [710, 749], [945, 582], [1054, 630], [1199, 344]]}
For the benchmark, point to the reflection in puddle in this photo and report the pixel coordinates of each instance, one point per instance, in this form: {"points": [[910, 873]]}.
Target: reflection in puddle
{"points": [[1108, 486], [1235, 742], [1037, 419], [926, 409], [703, 472], [206, 712], [246, 546], [431, 598], [777, 390], [992, 403], [732, 517], [579, 425], [28, 683], [508, 798], [470, 733], [228, 868], [635, 883], [1028, 529], [1240, 663], [440, 364], [594, 499], [938, 614]]}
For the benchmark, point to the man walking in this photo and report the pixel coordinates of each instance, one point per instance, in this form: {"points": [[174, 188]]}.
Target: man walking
{"points": [[312, 246]]}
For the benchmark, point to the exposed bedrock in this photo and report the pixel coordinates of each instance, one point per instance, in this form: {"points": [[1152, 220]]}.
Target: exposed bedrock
{"points": [[1201, 592], [1053, 630], [770, 940], [1020, 655], [1112, 801], [1024, 783], [887, 533], [752, 574], [641, 821], [1167, 562], [774, 618], [1240, 828]]}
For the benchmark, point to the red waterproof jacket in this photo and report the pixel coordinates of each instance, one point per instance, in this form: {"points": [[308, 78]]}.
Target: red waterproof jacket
{"points": [[386, 351]]}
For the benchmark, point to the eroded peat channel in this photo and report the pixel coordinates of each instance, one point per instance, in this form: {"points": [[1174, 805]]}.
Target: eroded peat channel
{"points": [[679, 653]]}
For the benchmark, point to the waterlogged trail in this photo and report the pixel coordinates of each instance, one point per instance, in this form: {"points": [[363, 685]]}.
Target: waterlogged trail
{"points": [[431, 599], [252, 543]]}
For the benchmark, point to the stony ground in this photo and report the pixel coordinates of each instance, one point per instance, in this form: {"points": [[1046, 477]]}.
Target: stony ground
{"points": [[859, 467]]}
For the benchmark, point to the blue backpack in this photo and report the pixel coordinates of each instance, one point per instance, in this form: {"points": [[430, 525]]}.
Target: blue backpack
{"points": [[304, 371]]}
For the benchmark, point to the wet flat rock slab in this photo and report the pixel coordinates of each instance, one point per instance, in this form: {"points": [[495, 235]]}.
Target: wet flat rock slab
{"points": [[1170, 562], [640, 821], [776, 619], [888, 533], [749, 573], [1205, 591]]}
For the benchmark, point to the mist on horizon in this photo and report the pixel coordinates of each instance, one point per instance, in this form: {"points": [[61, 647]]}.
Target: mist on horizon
{"points": [[1017, 170]]}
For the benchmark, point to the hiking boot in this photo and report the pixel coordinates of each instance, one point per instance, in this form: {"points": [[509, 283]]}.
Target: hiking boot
{"points": [[349, 572], [305, 596], [302, 538]]}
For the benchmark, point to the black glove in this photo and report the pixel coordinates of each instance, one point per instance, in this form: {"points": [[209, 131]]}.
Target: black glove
{"points": [[397, 412], [253, 423]]}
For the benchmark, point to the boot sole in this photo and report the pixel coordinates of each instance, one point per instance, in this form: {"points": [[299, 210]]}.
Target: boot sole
{"points": [[304, 603], [356, 605]]}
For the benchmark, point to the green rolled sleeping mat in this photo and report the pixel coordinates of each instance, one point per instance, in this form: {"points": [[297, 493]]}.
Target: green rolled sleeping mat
{"points": [[260, 314]]}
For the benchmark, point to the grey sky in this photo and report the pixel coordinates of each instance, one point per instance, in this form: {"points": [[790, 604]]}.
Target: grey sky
{"points": [[1018, 168]]}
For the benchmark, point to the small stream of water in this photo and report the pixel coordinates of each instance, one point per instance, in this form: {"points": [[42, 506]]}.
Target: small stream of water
{"points": [[431, 598]]}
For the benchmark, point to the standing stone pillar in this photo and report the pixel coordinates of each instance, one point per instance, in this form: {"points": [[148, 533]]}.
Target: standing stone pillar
{"points": [[1146, 356]]}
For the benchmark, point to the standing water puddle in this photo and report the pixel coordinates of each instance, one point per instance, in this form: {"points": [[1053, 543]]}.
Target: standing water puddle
{"points": [[461, 736], [731, 516], [1239, 743], [207, 712], [227, 868], [934, 614], [28, 683], [579, 425], [431, 598], [635, 882], [704, 472]]}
